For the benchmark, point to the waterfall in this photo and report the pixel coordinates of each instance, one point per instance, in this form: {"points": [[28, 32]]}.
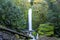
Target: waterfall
{"points": [[37, 36], [30, 23], [30, 19]]}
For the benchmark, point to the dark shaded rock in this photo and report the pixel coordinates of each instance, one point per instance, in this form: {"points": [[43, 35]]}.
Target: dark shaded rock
{"points": [[7, 36]]}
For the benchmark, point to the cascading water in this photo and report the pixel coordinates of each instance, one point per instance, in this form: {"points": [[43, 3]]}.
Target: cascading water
{"points": [[30, 21]]}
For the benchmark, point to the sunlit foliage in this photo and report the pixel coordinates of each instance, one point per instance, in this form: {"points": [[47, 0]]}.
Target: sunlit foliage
{"points": [[46, 29]]}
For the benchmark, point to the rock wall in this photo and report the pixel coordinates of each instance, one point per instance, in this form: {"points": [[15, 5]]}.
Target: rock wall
{"points": [[7, 36]]}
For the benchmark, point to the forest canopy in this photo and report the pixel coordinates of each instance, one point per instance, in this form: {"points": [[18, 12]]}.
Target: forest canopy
{"points": [[45, 15]]}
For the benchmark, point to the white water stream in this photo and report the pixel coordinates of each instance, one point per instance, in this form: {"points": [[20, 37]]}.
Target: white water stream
{"points": [[30, 19], [30, 22]]}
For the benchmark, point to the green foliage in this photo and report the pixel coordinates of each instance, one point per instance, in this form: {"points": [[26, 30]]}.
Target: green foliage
{"points": [[39, 14], [46, 29], [53, 16], [14, 15], [10, 15], [34, 33], [24, 5]]}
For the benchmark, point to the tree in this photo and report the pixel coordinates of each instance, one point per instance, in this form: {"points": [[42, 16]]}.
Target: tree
{"points": [[24, 5], [39, 13], [53, 16], [11, 15]]}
